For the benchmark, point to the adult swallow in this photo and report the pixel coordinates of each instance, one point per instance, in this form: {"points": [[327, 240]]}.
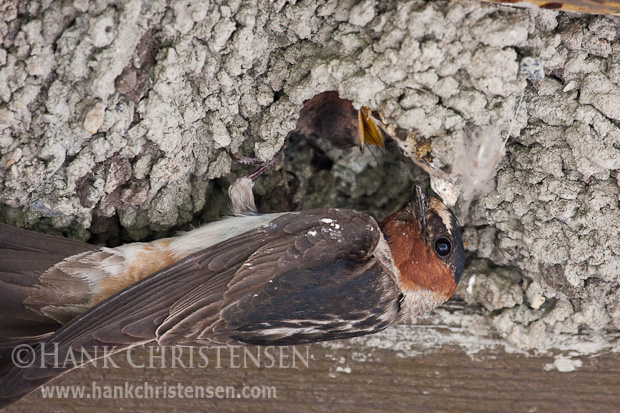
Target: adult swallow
{"points": [[274, 279]]}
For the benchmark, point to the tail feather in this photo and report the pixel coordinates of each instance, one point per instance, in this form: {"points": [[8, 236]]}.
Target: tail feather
{"points": [[13, 238], [12, 350], [24, 257]]}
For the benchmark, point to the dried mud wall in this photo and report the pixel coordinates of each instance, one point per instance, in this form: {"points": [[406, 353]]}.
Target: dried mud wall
{"points": [[118, 121]]}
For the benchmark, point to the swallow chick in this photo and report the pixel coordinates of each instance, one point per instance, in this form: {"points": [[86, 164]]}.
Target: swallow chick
{"points": [[334, 119], [274, 279], [329, 117]]}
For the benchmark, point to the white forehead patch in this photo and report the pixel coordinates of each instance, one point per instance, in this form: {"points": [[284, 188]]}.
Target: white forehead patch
{"points": [[443, 213]]}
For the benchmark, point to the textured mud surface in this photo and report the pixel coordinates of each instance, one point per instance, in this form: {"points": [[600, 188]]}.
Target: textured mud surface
{"points": [[118, 121]]}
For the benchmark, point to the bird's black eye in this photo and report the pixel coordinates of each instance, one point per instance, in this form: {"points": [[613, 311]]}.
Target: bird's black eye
{"points": [[443, 247]]}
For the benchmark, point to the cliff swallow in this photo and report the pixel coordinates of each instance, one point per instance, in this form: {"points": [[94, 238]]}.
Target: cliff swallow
{"points": [[274, 279], [331, 118]]}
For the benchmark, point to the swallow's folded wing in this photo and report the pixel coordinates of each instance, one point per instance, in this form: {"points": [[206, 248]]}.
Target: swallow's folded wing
{"points": [[317, 278], [303, 277]]}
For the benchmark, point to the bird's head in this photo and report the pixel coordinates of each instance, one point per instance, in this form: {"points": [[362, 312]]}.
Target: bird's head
{"points": [[426, 246]]}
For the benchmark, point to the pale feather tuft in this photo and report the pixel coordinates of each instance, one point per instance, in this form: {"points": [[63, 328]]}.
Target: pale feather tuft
{"points": [[241, 196], [477, 164]]}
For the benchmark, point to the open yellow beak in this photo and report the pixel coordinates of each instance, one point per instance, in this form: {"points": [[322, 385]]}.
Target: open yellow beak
{"points": [[368, 132]]}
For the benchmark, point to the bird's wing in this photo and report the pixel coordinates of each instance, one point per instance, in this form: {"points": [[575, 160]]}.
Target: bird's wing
{"points": [[303, 277], [315, 279], [13, 238], [24, 257]]}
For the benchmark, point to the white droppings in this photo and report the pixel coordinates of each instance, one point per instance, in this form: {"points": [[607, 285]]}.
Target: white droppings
{"points": [[312, 233], [537, 302], [470, 284], [564, 365], [346, 369], [327, 221], [570, 86]]}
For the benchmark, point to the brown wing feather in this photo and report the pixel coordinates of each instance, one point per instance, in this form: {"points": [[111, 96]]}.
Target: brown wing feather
{"points": [[23, 240], [295, 242]]}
